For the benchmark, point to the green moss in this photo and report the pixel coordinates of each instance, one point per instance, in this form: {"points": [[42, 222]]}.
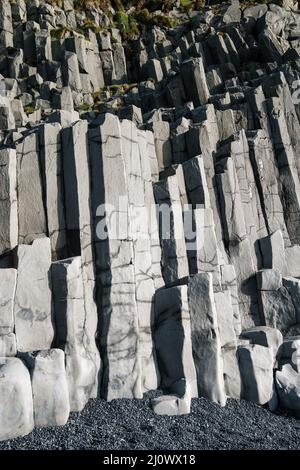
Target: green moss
{"points": [[126, 24], [29, 108]]}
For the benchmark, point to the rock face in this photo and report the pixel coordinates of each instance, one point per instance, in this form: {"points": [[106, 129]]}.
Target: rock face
{"points": [[150, 206]]}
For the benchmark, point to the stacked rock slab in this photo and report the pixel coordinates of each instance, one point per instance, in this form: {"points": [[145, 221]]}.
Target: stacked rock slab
{"points": [[149, 200]]}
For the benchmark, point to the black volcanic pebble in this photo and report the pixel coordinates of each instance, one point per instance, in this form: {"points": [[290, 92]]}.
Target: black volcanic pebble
{"points": [[131, 424]]}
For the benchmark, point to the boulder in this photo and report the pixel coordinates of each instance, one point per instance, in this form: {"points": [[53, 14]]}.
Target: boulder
{"points": [[16, 405], [49, 387], [256, 366], [288, 387]]}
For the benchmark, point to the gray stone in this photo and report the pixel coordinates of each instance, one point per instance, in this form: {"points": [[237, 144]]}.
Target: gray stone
{"points": [[174, 352], [174, 257], [31, 211], [8, 200], [268, 279], [51, 160], [205, 338], [256, 366], [8, 345], [49, 388], [8, 278], [171, 405], [16, 407], [273, 252], [288, 387], [264, 336], [33, 304]]}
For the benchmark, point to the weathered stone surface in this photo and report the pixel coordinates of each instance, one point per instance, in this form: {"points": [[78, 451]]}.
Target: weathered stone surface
{"points": [[277, 309], [264, 336], [16, 407], [73, 334], [33, 302], [205, 338], [8, 200], [173, 342], [31, 210], [268, 279], [288, 387], [8, 345], [8, 278], [49, 388], [289, 353], [114, 268], [171, 405], [174, 257], [51, 160], [256, 366]]}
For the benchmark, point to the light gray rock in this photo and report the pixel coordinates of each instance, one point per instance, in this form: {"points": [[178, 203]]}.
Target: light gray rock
{"points": [[268, 279], [8, 278], [231, 371], [174, 257], [33, 303], [201, 243], [49, 388], [174, 351], [114, 269], [292, 256], [256, 366], [288, 387], [273, 252], [277, 309], [171, 405], [289, 353], [8, 345], [51, 160], [31, 210], [16, 407], [264, 336], [78, 206], [73, 336], [205, 338], [8, 200]]}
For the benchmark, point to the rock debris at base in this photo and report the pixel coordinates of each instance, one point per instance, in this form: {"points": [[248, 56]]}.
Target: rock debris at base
{"points": [[131, 424], [108, 113]]}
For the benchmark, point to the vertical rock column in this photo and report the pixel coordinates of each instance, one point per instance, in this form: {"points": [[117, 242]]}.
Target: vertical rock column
{"points": [[72, 336], [34, 323], [206, 339], [8, 200], [51, 159], [31, 209], [79, 231], [174, 258], [136, 159], [116, 293], [8, 279]]}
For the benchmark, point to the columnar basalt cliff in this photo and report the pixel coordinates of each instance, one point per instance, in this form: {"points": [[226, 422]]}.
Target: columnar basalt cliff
{"points": [[113, 121]]}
